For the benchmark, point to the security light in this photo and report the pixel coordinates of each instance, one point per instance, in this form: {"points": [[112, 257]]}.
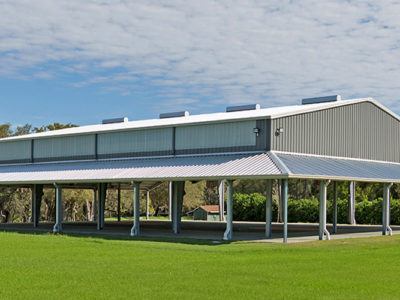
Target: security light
{"points": [[279, 130], [256, 131]]}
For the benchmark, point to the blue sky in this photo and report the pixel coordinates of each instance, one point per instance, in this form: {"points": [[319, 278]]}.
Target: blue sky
{"points": [[83, 61]]}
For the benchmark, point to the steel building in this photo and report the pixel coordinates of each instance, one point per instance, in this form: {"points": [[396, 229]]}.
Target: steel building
{"points": [[326, 139]]}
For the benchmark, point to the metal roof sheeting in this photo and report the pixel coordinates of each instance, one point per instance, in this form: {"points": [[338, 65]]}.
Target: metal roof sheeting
{"points": [[273, 112], [200, 167], [145, 169], [308, 166]]}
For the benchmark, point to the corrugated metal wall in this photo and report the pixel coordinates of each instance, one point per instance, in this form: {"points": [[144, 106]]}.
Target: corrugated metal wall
{"points": [[157, 141], [360, 130], [69, 147], [18, 151], [205, 138], [216, 136]]}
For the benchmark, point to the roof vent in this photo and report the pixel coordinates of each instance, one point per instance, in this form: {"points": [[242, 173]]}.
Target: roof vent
{"points": [[174, 114], [115, 120], [333, 98], [243, 107]]}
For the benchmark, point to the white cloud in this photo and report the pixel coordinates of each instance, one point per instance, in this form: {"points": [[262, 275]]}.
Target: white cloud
{"points": [[271, 52], [44, 75]]}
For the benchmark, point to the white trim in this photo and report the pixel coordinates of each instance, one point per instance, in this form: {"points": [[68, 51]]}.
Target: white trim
{"points": [[125, 180], [344, 178], [329, 105], [336, 157], [279, 163], [275, 176], [133, 158], [321, 106]]}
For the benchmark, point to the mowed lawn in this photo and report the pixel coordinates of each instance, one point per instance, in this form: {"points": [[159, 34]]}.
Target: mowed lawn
{"points": [[46, 266]]}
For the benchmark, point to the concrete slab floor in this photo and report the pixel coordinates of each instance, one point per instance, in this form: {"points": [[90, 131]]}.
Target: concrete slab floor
{"points": [[242, 231]]}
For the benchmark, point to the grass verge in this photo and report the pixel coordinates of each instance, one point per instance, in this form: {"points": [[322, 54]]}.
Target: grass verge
{"points": [[76, 266]]}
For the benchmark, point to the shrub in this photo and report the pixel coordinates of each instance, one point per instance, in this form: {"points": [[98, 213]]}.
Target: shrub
{"points": [[248, 207], [304, 210], [251, 207]]}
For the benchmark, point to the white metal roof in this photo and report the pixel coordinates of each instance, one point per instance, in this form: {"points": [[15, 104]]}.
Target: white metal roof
{"points": [[232, 166], [202, 167], [300, 165], [273, 112]]}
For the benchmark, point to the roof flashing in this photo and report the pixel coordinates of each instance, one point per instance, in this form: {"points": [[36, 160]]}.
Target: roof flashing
{"points": [[333, 98], [174, 114], [115, 120], [243, 107]]}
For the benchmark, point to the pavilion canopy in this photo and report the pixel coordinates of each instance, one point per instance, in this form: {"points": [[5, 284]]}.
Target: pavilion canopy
{"points": [[325, 167], [143, 169], [201, 167]]}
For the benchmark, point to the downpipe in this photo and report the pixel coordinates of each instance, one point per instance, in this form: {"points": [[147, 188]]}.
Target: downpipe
{"points": [[327, 234], [388, 228]]}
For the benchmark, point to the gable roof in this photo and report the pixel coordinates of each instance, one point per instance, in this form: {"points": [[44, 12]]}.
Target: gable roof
{"points": [[272, 164], [245, 165], [266, 113]]}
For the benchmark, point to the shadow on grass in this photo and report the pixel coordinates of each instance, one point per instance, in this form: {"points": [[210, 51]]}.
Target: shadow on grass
{"points": [[117, 237]]}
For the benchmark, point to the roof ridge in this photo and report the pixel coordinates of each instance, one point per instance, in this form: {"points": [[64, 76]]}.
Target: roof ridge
{"points": [[264, 113]]}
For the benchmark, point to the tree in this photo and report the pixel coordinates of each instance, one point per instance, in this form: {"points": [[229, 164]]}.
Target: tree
{"points": [[54, 126], [5, 130], [160, 198], [22, 130], [15, 203]]}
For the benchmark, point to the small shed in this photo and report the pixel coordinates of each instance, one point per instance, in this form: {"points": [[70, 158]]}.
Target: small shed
{"points": [[207, 213]]}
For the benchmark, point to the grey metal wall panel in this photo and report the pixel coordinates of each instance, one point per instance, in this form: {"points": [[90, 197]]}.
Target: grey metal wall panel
{"points": [[216, 136], [137, 141], [263, 138], [15, 151], [360, 130], [69, 147]]}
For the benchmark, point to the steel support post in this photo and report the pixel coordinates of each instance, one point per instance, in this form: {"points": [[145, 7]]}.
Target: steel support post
{"points": [[101, 197], [147, 204], [103, 203], [221, 194], [98, 206], [352, 202], [178, 191], [335, 197], [268, 209], [170, 202], [135, 231], [285, 209], [280, 199], [386, 209], [119, 203], [95, 209], [37, 194], [33, 204], [322, 210], [59, 209], [229, 211]]}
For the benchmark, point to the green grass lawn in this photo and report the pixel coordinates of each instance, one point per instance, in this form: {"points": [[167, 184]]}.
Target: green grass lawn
{"points": [[46, 266]]}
